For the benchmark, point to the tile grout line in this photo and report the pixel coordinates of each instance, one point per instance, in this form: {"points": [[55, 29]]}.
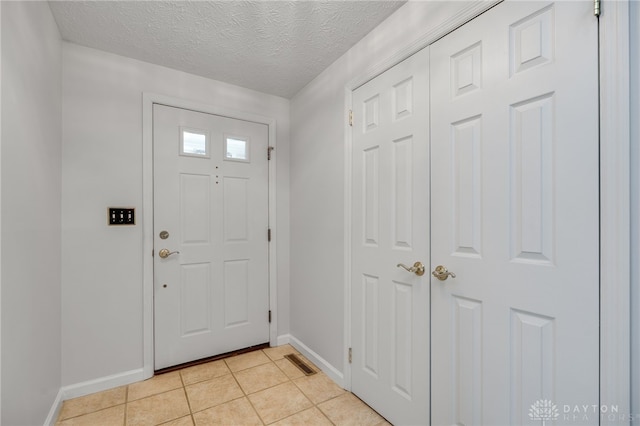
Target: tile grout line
{"points": [[126, 404], [186, 395], [60, 420], [210, 379], [293, 380], [315, 405], [289, 379], [243, 391]]}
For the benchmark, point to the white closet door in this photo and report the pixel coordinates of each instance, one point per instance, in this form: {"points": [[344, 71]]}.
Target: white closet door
{"points": [[514, 215]]}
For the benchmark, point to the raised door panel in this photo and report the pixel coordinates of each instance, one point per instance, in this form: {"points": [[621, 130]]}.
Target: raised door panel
{"points": [[371, 322], [532, 180], [236, 209], [195, 212], [466, 178], [532, 361], [236, 292], [371, 196], [195, 298], [466, 372], [402, 193]]}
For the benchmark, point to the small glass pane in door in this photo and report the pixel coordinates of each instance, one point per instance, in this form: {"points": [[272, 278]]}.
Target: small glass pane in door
{"points": [[194, 143], [236, 149]]}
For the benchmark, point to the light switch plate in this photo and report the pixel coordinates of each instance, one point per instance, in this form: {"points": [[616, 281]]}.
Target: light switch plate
{"points": [[122, 216]]}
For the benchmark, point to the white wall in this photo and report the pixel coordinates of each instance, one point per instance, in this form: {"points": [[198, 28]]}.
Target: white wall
{"points": [[317, 178], [102, 166], [635, 207], [30, 194], [0, 213]]}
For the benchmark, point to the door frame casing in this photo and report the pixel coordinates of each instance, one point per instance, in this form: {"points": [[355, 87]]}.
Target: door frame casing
{"points": [[148, 100], [615, 246]]}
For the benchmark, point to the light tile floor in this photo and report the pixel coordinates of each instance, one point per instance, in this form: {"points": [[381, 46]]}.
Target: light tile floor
{"points": [[256, 388]]}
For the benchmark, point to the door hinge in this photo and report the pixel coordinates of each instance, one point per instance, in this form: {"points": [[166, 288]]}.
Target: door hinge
{"points": [[269, 234], [153, 253], [269, 316], [269, 149], [596, 7], [350, 355], [351, 118]]}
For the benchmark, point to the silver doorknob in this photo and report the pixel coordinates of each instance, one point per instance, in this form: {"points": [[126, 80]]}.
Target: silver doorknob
{"points": [[417, 268], [442, 274], [164, 253]]}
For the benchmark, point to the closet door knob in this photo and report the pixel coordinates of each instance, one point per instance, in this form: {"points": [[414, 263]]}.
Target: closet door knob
{"points": [[442, 274], [417, 268]]}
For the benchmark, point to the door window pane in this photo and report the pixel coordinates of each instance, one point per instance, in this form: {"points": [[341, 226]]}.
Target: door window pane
{"points": [[194, 143], [236, 149]]}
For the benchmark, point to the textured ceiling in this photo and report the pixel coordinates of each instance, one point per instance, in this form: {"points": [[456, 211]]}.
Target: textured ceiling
{"points": [[275, 47]]}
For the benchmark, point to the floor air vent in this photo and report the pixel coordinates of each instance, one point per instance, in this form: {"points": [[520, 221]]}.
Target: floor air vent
{"points": [[295, 359]]}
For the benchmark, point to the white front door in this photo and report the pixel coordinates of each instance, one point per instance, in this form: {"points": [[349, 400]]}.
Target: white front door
{"points": [[210, 195], [514, 215], [390, 207]]}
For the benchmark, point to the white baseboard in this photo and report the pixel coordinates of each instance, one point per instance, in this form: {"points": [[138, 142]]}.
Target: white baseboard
{"points": [[89, 387], [55, 410], [283, 339], [102, 383], [320, 362]]}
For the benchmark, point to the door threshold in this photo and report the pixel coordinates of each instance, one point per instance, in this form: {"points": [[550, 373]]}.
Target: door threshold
{"points": [[211, 358]]}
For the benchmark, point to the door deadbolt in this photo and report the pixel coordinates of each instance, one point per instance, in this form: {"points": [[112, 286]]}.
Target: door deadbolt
{"points": [[164, 235]]}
